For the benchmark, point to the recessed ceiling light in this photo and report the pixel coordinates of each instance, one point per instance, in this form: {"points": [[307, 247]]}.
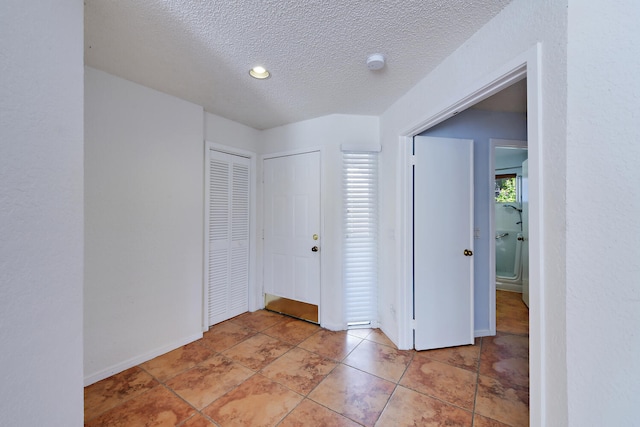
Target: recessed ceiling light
{"points": [[259, 73]]}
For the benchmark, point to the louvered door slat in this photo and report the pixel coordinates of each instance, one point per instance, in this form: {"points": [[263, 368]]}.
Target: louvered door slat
{"points": [[228, 236]]}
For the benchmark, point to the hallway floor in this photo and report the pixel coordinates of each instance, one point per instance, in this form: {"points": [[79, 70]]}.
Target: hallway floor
{"points": [[265, 369]]}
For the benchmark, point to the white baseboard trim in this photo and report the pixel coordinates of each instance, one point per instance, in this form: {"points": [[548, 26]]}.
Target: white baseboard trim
{"points": [[482, 333], [134, 361], [334, 326]]}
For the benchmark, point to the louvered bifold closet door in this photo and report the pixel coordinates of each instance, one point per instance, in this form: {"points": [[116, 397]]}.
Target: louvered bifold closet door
{"points": [[228, 236], [360, 244]]}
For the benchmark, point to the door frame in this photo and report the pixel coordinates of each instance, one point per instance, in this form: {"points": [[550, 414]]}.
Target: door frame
{"points": [[528, 65], [253, 301], [260, 291]]}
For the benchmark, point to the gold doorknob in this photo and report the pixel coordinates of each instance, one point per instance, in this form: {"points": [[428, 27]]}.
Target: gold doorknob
{"points": [[467, 252], [314, 249]]}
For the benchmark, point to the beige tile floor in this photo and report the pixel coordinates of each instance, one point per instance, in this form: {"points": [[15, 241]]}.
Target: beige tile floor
{"points": [[264, 369]]}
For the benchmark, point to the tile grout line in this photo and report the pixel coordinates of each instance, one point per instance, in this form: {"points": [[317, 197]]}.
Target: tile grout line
{"points": [[475, 394], [386, 403], [127, 399], [338, 363], [158, 381], [202, 343], [439, 399], [198, 411], [397, 384], [306, 397]]}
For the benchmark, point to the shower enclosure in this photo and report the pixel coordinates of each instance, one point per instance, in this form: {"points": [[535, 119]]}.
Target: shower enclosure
{"points": [[508, 247], [508, 215]]}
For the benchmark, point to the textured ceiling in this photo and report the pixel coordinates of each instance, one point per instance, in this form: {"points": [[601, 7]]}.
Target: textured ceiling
{"points": [[316, 50]]}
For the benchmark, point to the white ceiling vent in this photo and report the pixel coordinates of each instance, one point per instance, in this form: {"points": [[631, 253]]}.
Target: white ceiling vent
{"points": [[375, 61]]}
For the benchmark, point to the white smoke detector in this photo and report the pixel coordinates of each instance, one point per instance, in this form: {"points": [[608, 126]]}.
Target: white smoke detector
{"points": [[375, 61]]}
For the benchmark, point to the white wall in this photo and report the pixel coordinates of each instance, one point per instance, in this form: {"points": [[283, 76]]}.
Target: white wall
{"points": [[514, 31], [143, 223], [233, 134], [603, 213], [328, 132], [41, 213], [41, 199]]}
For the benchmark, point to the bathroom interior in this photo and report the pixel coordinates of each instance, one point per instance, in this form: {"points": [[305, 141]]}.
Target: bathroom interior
{"points": [[510, 218]]}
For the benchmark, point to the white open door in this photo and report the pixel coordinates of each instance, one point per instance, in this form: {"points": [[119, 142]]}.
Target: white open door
{"points": [[292, 227], [443, 242]]}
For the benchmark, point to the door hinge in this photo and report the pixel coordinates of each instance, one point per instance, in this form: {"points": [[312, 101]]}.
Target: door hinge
{"points": [[413, 324], [412, 160]]}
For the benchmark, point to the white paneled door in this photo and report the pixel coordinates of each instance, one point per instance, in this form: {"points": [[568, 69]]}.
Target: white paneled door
{"points": [[292, 243], [443, 242], [227, 240]]}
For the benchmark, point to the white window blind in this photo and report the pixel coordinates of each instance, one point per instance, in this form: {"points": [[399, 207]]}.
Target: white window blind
{"points": [[360, 247]]}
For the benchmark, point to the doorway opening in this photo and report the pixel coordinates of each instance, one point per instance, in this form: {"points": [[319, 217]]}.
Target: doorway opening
{"points": [[508, 214], [500, 116], [524, 67]]}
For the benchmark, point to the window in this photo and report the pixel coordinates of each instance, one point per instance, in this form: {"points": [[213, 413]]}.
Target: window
{"points": [[506, 188], [360, 237]]}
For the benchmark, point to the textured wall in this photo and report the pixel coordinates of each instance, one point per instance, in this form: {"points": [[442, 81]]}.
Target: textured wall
{"points": [[41, 213], [603, 213], [233, 134], [514, 31], [143, 223]]}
